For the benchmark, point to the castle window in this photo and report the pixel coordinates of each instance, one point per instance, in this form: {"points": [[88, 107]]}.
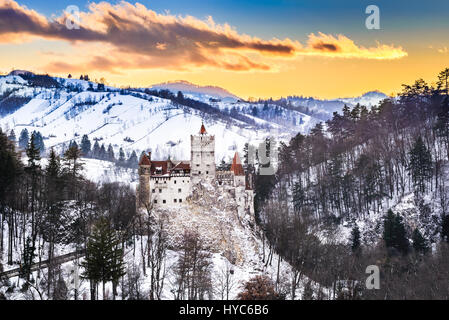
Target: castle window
{"points": [[154, 190], [175, 200], [199, 172], [175, 181], [160, 190], [164, 201], [180, 200], [179, 190], [155, 201]]}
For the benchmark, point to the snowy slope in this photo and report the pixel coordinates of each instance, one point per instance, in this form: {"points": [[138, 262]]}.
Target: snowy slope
{"points": [[325, 108], [136, 121]]}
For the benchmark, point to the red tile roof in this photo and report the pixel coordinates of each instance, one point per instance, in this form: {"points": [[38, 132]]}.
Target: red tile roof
{"points": [[168, 167], [145, 161], [159, 167], [203, 129], [236, 166]]}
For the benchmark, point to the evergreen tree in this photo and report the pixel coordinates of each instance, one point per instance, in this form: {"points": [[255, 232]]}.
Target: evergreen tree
{"points": [[121, 158], [27, 259], [72, 168], [110, 154], [38, 141], [52, 223], [298, 196], [420, 165], [23, 139], [394, 233], [133, 161], [96, 150], [355, 238], [72, 157], [86, 146], [419, 242], [102, 155], [12, 136], [104, 257]]}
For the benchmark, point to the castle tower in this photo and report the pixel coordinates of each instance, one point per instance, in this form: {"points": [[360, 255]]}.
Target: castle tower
{"points": [[143, 194], [202, 160], [239, 173]]}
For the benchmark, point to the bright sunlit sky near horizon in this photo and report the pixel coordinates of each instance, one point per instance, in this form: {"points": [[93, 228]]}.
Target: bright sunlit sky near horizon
{"points": [[252, 48]]}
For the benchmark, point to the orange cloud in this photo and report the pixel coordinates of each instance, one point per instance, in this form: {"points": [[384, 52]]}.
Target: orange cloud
{"points": [[142, 38]]}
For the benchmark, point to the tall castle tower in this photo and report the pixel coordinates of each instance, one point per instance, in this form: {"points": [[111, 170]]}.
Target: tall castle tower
{"points": [[202, 160], [143, 195]]}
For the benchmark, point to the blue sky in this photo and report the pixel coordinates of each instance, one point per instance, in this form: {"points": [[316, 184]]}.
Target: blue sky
{"points": [[293, 18]]}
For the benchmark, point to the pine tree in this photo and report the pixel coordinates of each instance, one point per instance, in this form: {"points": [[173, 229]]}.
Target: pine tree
{"points": [[394, 233], [38, 141], [298, 196], [355, 238], [419, 242], [96, 150], [420, 165], [133, 161], [102, 155], [121, 159], [33, 169], [104, 257], [86, 146], [110, 154], [27, 259], [72, 168], [23, 139], [72, 157]]}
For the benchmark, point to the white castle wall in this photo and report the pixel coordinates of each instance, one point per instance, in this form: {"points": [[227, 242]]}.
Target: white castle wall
{"points": [[202, 163], [169, 190]]}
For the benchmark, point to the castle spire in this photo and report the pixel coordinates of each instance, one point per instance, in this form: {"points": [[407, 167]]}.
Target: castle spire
{"points": [[203, 129], [236, 166]]}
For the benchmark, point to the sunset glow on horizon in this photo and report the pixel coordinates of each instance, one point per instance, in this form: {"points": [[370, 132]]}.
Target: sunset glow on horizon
{"points": [[260, 50]]}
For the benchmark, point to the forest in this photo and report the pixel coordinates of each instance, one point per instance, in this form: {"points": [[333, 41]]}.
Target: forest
{"points": [[353, 168]]}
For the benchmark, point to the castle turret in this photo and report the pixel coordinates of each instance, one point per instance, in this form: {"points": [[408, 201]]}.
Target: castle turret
{"points": [[143, 194], [237, 169], [202, 156]]}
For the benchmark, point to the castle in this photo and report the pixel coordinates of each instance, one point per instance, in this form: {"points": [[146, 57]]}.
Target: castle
{"points": [[169, 183]]}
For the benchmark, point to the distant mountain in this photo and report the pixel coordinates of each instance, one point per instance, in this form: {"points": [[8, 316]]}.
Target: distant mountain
{"points": [[323, 109], [368, 99], [20, 73], [202, 93]]}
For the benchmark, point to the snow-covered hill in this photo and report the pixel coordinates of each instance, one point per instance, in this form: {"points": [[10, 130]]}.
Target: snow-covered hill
{"points": [[202, 93], [137, 121], [325, 108]]}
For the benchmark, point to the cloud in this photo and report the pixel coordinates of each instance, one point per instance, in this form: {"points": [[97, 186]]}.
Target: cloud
{"points": [[138, 37], [342, 47]]}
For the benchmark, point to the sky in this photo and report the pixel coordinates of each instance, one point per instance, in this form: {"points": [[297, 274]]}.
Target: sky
{"points": [[252, 48]]}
